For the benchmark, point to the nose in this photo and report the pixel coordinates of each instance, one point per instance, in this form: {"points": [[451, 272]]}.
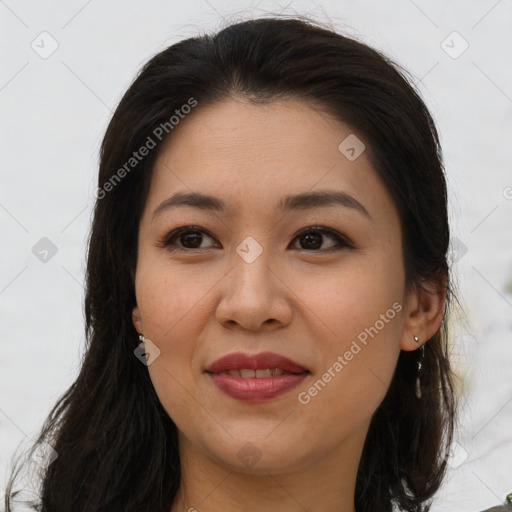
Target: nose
{"points": [[254, 295]]}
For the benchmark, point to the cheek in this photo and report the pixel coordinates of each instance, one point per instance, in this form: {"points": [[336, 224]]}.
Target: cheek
{"points": [[172, 302], [343, 301], [171, 298], [359, 321]]}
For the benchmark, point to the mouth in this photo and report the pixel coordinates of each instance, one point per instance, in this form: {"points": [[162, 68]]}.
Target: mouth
{"points": [[257, 377], [248, 373]]}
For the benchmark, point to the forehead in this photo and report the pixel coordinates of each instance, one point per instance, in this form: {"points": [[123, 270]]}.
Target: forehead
{"points": [[252, 154], [279, 131]]}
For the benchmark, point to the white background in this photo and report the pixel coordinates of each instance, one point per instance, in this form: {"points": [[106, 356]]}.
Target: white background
{"points": [[54, 112]]}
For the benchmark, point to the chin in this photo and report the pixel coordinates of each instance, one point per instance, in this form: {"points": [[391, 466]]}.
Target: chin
{"points": [[261, 454]]}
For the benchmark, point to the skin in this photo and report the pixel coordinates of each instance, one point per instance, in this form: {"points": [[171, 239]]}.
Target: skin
{"points": [[198, 304]]}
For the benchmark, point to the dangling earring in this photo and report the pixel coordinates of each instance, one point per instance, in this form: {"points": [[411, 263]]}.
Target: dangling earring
{"points": [[420, 364]]}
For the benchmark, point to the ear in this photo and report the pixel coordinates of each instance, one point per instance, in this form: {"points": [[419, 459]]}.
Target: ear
{"points": [[136, 319], [424, 313]]}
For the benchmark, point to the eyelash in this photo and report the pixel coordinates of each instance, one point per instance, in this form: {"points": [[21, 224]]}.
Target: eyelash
{"points": [[342, 242]]}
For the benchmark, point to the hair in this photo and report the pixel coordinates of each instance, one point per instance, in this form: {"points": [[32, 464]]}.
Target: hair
{"points": [[117, 447]]}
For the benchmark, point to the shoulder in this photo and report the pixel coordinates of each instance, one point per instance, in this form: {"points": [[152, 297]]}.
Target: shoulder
{"points": [[506, 507]]}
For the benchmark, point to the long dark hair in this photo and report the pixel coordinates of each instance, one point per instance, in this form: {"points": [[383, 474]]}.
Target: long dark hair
{"points": [[117, 447]]}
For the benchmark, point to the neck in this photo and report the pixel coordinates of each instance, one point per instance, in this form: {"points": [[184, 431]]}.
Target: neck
{"points": [[327, 484]]}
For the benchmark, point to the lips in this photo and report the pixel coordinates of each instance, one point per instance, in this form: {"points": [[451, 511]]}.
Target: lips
{"points": [[255, 377], [262, 361]]}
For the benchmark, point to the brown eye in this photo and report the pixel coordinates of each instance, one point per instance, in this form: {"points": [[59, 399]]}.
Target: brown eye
{"points": [[311, 239], [191, 239], [188, 237]]}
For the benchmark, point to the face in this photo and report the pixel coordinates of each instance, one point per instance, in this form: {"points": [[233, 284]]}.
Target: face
{"points": [[261, 268]]}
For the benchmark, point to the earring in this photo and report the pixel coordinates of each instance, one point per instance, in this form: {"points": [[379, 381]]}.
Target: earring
{"points": [[420, 364], [142, 339]]}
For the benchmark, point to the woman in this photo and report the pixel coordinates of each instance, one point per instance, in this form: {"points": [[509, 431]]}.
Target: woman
{"points": [[267, 288]]}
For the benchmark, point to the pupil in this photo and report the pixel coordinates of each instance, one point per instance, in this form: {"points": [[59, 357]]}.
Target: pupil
{"points": [[191, 239], [311, 239]]}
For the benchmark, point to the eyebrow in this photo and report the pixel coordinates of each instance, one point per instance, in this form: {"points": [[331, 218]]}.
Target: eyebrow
{"points": [[303, 201]]}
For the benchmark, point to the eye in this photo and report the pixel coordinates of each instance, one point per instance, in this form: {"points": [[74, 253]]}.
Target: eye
{"points": [[312, 239], [188, 238]]}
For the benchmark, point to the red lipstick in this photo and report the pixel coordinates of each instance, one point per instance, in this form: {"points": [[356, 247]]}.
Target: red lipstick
{"points": [[257, 377]]}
